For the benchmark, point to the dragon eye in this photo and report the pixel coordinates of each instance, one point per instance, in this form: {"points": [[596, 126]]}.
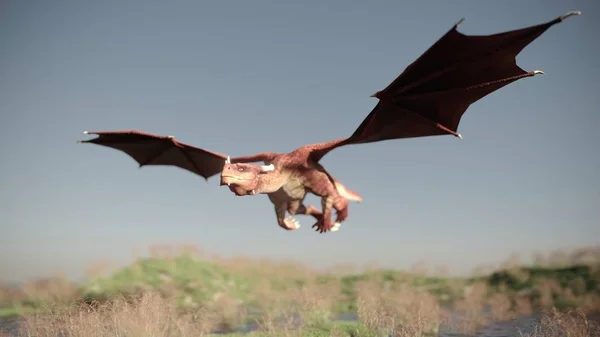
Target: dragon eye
{"points": [[240, 169]]}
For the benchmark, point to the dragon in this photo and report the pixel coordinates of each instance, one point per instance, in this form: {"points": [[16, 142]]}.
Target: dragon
{"points": [[428, 98]]}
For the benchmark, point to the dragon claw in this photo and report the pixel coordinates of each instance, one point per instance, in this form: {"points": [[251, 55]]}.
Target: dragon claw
{"points": [[291, 223], [321, 228]]}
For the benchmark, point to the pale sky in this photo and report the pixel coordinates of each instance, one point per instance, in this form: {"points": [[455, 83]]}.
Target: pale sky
{"points": [[241, 77]]}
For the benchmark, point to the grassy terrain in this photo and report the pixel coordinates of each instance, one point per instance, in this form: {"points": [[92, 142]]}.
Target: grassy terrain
{"points": [[182, 294]]}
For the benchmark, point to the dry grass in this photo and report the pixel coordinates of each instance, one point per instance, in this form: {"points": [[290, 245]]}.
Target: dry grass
{"points": [[289, 299], [382, 310], [572, 323], [403, 311], [148, 315], [56, 288]]}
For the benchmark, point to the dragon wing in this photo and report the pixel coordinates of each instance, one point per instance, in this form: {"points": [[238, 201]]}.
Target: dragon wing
{"points": [[431, 95], [150, 149]]}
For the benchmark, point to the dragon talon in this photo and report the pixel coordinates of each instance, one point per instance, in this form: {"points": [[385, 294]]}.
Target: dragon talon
{"points": [[291, 223], [335, 227], [538, 72]]}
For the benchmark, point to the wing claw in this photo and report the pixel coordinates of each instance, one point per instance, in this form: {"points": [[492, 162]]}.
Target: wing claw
{"points": [[571, 13]]}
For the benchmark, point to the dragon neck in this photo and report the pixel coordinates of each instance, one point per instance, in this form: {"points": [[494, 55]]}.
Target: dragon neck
{"points": [[270, 182]]}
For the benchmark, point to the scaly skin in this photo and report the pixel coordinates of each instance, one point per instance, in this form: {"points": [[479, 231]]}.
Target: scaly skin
{"points": [[287, 182]]}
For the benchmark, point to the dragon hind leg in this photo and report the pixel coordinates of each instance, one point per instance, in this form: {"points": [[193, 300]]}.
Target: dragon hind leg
{"points": [[307, 210], [341, 207], [340, 204], [325, 223], [298, 207]]}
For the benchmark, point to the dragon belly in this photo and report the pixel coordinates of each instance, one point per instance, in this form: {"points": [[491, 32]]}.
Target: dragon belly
{"points": [[292, 191]]}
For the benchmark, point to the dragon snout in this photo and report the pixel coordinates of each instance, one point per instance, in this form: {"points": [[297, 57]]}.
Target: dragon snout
{"points": [[227, 180], [224, 181]]}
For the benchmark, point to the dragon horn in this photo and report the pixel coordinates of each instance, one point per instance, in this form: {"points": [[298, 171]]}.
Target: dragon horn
{"points": [[267, 168]]}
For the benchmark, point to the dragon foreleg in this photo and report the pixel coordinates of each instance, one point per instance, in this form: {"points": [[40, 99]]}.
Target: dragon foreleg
{"points": [[287, 223]]}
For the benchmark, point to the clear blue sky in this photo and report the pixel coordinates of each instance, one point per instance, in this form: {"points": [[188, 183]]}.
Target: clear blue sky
{"points": [[241, 77]]}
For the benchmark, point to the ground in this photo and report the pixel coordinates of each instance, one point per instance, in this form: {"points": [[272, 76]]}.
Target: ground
{"points": [[192, 295]]}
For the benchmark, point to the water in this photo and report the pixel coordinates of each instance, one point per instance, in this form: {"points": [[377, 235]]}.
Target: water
{"points": [[9, 325]]}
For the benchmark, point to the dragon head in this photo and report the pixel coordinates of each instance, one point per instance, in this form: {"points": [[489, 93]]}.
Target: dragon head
{"points": [[242, 178]]}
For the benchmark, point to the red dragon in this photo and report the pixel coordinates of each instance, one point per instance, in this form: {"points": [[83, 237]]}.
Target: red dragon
{"points": [[428, 99]]}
